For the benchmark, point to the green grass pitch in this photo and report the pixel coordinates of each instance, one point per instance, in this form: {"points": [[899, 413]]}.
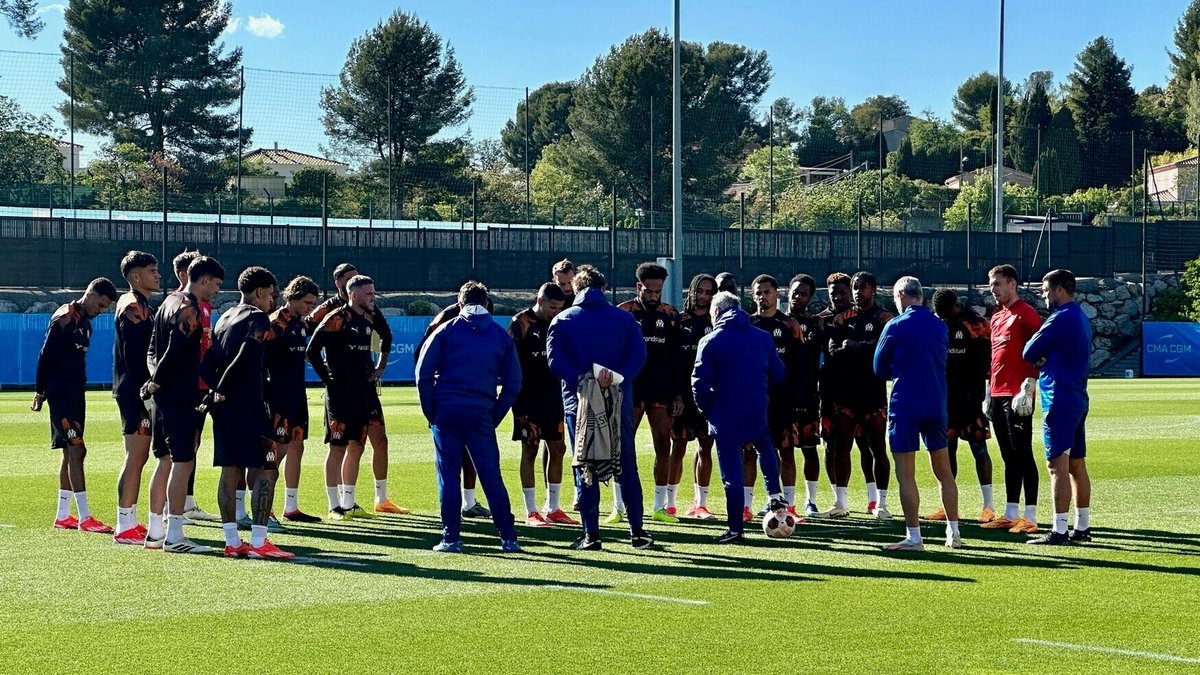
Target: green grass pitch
{"points": [[827, 600]]}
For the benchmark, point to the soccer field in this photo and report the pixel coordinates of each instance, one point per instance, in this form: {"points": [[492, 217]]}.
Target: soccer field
{"points": [[371, 597]]}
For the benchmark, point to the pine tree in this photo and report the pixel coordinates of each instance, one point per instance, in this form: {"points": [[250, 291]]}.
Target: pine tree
{"points": [[1031, 115], [152, 73], [1104, 104], [1185, 60], [1059, 168]]}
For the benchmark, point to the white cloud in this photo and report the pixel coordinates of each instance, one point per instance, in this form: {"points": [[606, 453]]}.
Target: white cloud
{"points": [[265, 26], [56, 7], [235, 22]]}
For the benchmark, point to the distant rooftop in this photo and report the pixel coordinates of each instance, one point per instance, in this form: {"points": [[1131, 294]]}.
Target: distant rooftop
{"points": [[284, 156]]}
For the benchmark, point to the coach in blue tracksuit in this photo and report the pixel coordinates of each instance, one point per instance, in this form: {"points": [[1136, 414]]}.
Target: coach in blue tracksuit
{"points": [[736, 364], [912, 354], [457, 373], [1060, 349], [593, 331]]}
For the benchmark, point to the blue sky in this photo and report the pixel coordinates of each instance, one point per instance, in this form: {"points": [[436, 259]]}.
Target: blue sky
{"points": [[851, 48]]}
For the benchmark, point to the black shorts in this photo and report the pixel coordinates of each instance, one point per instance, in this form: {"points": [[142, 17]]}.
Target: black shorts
{"points": [[289, 421], [966, 420], [650, 392], [346, 419], [781, 422], [67, 412], [808, 427], [242, 439], [375, 408], [690, 425], [135, 417], [537, 428], [176, 427]]}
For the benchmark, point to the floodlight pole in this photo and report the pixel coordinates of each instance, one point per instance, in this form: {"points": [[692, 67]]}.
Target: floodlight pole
{"points": [[676, 164], [998, 202]]}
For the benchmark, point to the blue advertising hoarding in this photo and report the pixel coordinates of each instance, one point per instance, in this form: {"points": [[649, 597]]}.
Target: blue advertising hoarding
{"points": [[1171, 349], [24, 333]]}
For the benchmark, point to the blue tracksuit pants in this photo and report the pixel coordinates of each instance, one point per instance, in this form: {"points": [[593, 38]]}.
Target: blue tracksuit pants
{"points": [[470, 429], [729, 459], [631, 486]]}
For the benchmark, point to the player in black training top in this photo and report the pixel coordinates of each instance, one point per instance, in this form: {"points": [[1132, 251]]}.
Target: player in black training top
{"points": [[860, 404], [694, 324], [968, 367], [174, 364], [805, 370], [538, 410], [471, 508], [243, 447], [656, 393], [788, 338], [381, 344], [61, 381], [287, 400], [130, 344], [340, 353], [830, 381]]}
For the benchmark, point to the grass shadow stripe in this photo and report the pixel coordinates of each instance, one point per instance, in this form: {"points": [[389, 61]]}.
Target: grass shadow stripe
{"points": [[622, 594], [336, 562], [1152, 656]]}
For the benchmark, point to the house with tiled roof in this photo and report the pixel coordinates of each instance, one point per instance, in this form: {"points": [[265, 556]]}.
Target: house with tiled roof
{"points": [[286, 163]]}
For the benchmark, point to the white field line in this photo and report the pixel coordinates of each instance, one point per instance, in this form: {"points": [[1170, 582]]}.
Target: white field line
{"points": [[1152, 656], [1142, 514], [340, 562], [7, 526], [635, 596]]}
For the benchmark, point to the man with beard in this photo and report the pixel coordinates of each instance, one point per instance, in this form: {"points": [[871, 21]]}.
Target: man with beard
{"points": [[695, 324], [806, 366]]}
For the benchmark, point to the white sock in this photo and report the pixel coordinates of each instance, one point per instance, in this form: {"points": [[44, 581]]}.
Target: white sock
{"points": [[873, 493], [331, 494], [291, 500], [660, 496], [789, 494], [810, 491], [701, 496], [126, 520], [618, 500], [232, 538], [530, 499], [174, 528], [1031, 513], [914, 534], [749, 496], [1060, 523], [672, 493], [81, 506], [155, 526], [987, 496], [189, 503], [64, 504], [380, 491], [1083, 518], [553, 497], [882, 503], [347, 497], [258, 535], [468, 498], [835, 493], [240, 504], [841, 494], [951, 528], [1010, 510]]}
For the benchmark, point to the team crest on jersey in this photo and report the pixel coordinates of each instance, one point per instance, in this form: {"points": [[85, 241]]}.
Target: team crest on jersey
{"points": [[870, 328], [958, 335], [659, 324], [303, 333], [368, 330], [707, 330], [777, 333]]}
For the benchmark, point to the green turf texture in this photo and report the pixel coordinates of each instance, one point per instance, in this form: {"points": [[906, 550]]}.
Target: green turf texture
{"points": [[827, 600]]}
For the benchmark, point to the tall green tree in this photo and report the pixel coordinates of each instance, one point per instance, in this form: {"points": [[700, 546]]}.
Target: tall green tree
{"points": [[865, 117], [975, 94], [549, 106], [1163, 123], [721, 84], [786, 119], [827, 132], [22, 17], [152, 73], [1060, 168], [28, 153], [399, 87], [1105, 108], [1185, 58], [1030, 119]]}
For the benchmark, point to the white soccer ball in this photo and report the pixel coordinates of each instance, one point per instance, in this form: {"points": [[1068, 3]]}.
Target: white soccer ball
{"points": [[778, 524]]}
